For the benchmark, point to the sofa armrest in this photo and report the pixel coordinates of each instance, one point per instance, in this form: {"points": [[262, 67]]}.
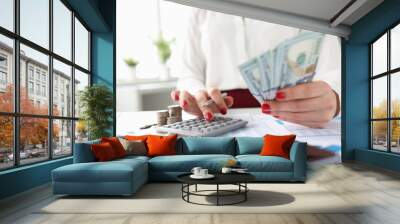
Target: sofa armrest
{"points": [[298, 155], [83, 152]]}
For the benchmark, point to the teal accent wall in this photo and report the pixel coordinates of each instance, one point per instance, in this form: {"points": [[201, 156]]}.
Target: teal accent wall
{"points": [[89, 11], [24, 178], [103, 53], [355, 82], [99, 16]]}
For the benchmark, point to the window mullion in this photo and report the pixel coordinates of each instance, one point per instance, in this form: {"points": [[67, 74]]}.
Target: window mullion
{"points": [[389, 101], [50, 81], [73, 82], [16, 70], [371, 142]]}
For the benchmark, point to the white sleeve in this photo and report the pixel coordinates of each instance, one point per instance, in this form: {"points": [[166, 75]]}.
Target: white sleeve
{"points": [[329, 64], [192, 77]]}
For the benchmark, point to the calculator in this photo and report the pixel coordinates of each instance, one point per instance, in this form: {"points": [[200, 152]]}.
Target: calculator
{"points": [[202, 127]]}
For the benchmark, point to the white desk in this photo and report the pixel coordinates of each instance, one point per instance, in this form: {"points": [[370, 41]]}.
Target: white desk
{"points": [[324, 144]]}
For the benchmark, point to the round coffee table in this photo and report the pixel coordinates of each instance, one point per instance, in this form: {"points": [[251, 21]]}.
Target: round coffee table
{"points": [[238, 179]]}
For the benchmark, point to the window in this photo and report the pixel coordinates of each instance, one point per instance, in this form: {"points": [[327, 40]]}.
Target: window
{"points": [[385, 96], [6, 142], [30, 72], [3, 72], [30, 87], [37, 89], [140, 45], [81, 45], [62, 31], [6, 74], [81, 81], [7, 14], [46, 76], [38, 74], [61, 75], [3, 61], [44, 91], [35, 21], [62, 138], [3, 78]]}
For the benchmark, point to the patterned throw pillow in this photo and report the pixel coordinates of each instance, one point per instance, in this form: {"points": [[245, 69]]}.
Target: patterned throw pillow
{"points": [[134, 147]]}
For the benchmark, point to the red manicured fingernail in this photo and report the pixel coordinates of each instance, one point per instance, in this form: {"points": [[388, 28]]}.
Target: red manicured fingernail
{"points": [[185, 103], [280, 95], [176, 97], [223, 111], [266, 108], [209, 116]]}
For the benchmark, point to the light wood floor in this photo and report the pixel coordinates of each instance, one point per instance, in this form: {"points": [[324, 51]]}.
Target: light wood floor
{"points": [[380, 189]]}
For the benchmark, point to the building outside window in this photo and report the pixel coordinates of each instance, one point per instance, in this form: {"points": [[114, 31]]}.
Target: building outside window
{"points": [[3, 78], [3, 72], [30, 87], [44, 77], [30, 72], [56, 128], [44, 91], [38, 89], [385, 95], [3, 61]]}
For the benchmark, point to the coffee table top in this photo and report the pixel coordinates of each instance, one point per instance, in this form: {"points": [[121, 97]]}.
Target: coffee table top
{"points": [[220, 178]]}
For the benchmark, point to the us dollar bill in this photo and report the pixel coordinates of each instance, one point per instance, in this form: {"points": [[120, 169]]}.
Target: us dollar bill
{"points": [[292, 62]]}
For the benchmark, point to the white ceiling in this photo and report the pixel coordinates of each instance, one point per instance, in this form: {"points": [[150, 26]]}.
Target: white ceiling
{"points": [[315, 15], [321, 9]]}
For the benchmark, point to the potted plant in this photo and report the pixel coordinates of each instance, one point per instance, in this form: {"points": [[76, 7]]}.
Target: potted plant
{"points": [[96, 102], [131, 63], [164, 53]]}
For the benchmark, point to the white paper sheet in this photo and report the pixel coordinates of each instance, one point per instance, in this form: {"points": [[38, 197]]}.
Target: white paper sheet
{"points": [[324, 144]]}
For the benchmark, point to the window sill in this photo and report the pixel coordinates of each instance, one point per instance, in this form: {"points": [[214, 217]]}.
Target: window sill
{"points": [[30, 166]]}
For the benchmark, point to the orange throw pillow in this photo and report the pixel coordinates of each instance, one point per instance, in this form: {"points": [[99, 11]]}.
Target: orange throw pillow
{"points": [[136, 138], [116, 145], [161, 145], [277, 145], [103, 152]]}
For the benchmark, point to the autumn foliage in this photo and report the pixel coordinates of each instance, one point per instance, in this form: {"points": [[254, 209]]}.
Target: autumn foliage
{"points": [[33, 131], [380, 127]]}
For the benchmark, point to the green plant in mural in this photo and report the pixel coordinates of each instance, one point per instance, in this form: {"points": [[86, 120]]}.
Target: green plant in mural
{"points": [[97, 103], [164, 48], [131, 62]]}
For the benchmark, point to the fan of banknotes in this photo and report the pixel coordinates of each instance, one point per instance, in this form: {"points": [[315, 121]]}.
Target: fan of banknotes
{"points": [[292, 62]]}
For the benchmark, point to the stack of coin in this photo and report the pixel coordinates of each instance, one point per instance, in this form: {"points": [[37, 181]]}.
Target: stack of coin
{"points": [[175, 114], [172, 120], [175, 111], [162, 117]]}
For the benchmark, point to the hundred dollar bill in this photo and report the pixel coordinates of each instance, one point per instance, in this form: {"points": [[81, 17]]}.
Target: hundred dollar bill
{"points": [[292, 62], [300, 58], [252, 74]]}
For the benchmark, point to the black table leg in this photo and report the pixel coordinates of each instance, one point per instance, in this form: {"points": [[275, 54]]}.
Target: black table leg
{"points": [[188, 190], [196, 187], [245, 193], [217, 194]]}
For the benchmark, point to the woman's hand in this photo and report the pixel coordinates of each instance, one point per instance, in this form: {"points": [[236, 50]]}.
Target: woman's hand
{"points": [[311, 104], [194, 104]]}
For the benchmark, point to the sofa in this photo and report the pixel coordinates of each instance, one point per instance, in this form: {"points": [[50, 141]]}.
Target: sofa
{"points": [[125, 176]]}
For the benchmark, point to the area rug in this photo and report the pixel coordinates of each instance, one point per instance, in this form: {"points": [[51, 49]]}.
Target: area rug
{"points": [[166, 198]]}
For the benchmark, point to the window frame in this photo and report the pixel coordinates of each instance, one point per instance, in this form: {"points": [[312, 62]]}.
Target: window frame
{"points": [[388, 74], [16, 115]]}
